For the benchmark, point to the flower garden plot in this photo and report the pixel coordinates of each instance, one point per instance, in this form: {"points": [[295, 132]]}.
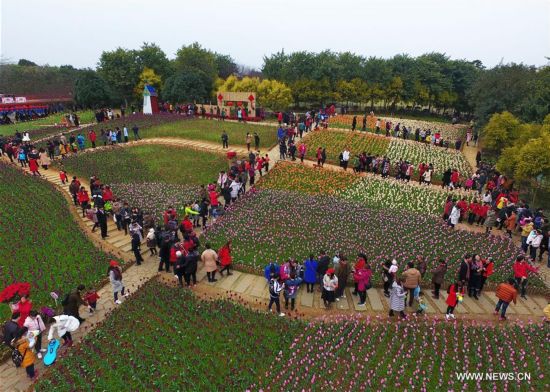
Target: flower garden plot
{"points": [[39, 241], [416, 153], [392, 194], [148, 163], [211, 131], [275, 225], [154, 198], [448, 131], [164, 339], [288, 176], [336, 141], [423, 355]]}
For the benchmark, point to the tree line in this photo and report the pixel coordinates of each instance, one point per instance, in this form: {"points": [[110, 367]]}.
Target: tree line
{"points": [[432, 82]]}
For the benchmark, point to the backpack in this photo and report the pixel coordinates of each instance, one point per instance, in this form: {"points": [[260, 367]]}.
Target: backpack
{"points": [[17, 357]]}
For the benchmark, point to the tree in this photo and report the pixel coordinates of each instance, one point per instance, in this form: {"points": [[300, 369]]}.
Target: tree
{"points": [[199, 60], [26, 63], [151, 56], [502, 131], [147, 76], [185, 87], [394, 91], [91, 91], [347, 90], [225, 65], [274, 95], [120, 69]]}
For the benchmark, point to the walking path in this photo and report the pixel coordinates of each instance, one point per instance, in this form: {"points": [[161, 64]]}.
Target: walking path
{"points": [[250, 288]]}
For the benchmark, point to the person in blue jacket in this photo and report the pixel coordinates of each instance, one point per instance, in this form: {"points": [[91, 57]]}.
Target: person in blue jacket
{"points": [[310, 273], [80, 141], [271, 270], [291, 290], [281, 133]]}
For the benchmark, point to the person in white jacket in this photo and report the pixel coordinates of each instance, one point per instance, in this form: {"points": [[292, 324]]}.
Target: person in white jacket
{"points": [[454, 216], [64, 325], [534, 239]]}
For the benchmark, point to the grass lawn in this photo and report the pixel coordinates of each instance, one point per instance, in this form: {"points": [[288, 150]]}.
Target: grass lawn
{"points": [[165, 339], [37, 127], [211, 130], [39, 241], [148, 163]]}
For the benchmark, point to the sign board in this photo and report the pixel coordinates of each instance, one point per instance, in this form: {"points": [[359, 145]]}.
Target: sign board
{"points": [[20, 99], [7, 100]]}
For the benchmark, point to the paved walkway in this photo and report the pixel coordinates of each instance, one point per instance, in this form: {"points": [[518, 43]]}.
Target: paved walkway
{"points": [[248, 287]]}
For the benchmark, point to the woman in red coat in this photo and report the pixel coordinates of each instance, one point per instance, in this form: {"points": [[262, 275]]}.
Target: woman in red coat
{"points": [[452, 300], [33, 166], [24, 307], [224, 255]]}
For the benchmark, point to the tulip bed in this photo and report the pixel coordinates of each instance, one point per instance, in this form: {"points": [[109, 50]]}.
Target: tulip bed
{"points": [[414, 355], [336, 141], [416, 153], [395, 149], [148, 163], [448, 131], [270, 225], [164, 339], [44, 126], [39, 241], [398, 195], [288, 176]]}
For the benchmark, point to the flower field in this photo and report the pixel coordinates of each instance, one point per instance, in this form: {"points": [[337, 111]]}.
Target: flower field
{"points": [[448, 131], [39, 241], [39, 128], [275, 225], [395, 149], [153, 197], [164, 339], [148, 163], [416, 153], [336, 141], [288, 176], [392, 194], [414, 355]]}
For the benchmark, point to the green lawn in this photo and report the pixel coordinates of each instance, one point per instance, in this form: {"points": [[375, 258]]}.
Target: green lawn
{"points": [[34, 125], [148, 163], [211, 130]]}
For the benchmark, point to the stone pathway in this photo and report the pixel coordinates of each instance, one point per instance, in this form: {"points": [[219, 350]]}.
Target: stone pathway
{"points": [[249, 287]]}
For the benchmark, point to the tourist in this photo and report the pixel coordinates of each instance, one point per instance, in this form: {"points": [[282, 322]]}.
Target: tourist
{"points": [[464, 270], [421, 265], [487, 270], [22, 157], [521, 269], [454, 216], [44, 159], [92, 137], [362, 275], [291, 290], [387, 276], [322, 265], [411, 278], [310, 273], [397, 298], [64, 325], [25, 348], [210, 259], [224, 255], [135, 129], [474, 279], [506, 293], [256, 141], [225, 140], [276, 285], [330, 284], [438, 277], [136, 246], [190, 268], [10, 330], [115, 277], [345, 158], [342, 272], [91, 298], [534, 241], [36, 326], [452, 300], [23, 307], [74, 188], [83, 199], [72, 302], [33, 167], [490, 220], [101, 217], [151, 241], [248, 141], [125, 133]]}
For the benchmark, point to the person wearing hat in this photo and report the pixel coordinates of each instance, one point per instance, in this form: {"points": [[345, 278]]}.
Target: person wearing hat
{"points": [[115, 277], [330, 284]]}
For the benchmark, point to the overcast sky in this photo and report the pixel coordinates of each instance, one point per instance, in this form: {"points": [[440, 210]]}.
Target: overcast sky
{"points": [[58, 32]]}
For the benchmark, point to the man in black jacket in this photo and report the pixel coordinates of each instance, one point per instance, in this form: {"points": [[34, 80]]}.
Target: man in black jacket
{"points": [[10, 329], [464, 270], [322, 266]]}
